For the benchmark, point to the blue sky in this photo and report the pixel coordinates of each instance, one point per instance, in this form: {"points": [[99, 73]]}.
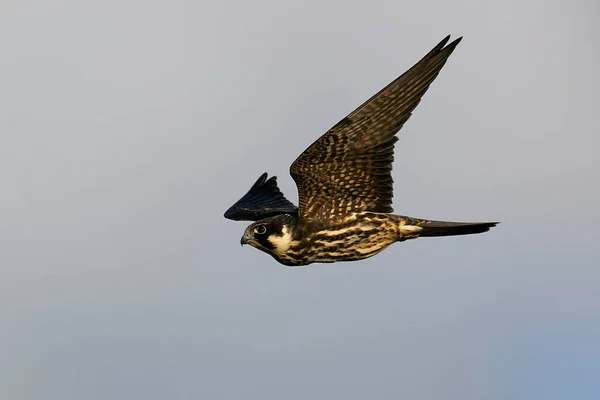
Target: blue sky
{"points": [[129, 127]]}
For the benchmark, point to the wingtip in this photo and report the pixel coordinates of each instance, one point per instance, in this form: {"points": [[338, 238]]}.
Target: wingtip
{"points": [[443, 45], [259, 182], [456, 41], [264, 199]]}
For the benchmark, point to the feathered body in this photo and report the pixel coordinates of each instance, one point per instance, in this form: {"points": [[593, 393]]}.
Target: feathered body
{"points": [[356, 237], [345, 185]]}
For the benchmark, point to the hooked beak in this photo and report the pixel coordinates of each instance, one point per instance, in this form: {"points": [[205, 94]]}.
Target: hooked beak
{"points": [[246, 239]]}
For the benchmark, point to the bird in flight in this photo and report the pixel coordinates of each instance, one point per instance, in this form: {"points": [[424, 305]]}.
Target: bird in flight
{"points": [[345, 184]]}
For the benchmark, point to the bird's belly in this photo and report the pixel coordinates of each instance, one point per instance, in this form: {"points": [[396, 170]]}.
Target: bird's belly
{"points": [[355, 247], [359, 237]]}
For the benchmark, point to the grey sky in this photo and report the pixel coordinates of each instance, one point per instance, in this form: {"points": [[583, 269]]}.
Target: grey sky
{"points": [[128, 127]]}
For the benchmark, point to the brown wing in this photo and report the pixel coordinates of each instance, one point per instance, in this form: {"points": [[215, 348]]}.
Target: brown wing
{"points": [[348, 169]]}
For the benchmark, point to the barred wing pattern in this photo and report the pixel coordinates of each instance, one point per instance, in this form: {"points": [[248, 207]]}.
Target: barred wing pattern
{"points": [[348, 169]]}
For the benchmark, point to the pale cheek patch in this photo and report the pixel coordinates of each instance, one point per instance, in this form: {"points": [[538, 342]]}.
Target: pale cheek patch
{"points": [[281, 243]]}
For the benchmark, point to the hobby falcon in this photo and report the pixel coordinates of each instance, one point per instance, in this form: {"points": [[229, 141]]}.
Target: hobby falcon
{"points": [[345, 184]]}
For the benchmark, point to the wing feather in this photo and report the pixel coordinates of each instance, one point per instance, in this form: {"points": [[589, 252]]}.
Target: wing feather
{"points": [[348, 169], [263, 200]]}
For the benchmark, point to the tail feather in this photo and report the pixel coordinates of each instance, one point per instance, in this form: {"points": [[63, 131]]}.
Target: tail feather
{"points": [[442, 228]]}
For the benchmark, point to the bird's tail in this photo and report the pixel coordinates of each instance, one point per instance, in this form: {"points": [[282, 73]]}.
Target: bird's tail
{"points": [[413, 227]]}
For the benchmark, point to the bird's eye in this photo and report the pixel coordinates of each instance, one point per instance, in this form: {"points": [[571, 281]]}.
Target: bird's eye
{"points": [[260, 230]]}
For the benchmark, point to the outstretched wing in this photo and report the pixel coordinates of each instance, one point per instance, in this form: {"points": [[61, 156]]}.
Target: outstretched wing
{"points": [[348, 169], [263, 200]]}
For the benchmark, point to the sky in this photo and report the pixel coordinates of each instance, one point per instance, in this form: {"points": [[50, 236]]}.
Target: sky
{"points": [[128, 127]]}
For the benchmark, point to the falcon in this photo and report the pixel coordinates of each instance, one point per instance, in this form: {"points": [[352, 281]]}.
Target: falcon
{"points": [[345, 184]]}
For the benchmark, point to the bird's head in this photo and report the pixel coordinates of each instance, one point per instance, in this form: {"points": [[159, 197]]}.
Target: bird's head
{"points": [[272, 235]]}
